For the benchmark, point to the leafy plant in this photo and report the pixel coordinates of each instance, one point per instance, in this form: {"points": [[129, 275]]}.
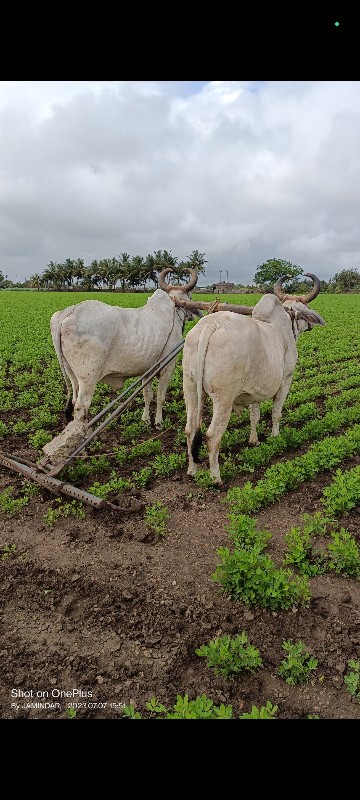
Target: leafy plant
{"points": [[352, 679], [244, 533], [73, 509], [7, 551], [203, 478], [30, 489], [156, 517], [343, 492], [3, 429], [130, 712], [301, 553], [298, 665], [230, 655], [40, 438], [71, 712], [268, 711], [344, 553], [253, 577], [200, 708], [142, 478], [168, 464], [9, 505]]}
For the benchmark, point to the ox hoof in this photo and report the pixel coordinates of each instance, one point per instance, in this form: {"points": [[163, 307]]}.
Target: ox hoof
{"points": [[158, 426], [254, 443]]}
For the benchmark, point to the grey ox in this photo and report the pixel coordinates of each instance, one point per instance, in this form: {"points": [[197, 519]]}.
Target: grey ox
{"points": [[98, 342], [241, 361]]}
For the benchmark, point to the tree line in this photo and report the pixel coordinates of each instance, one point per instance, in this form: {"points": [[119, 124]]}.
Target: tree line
{"points": [[123, 273], [127, 272]]}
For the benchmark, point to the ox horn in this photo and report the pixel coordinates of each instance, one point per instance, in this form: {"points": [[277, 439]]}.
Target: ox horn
{"points": [[167, 286], [302, 299], [314, 291], [193, 280], [278, 287]]}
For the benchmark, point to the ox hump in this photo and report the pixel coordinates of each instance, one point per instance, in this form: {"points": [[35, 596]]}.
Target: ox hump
{"points": [[267, 308]]}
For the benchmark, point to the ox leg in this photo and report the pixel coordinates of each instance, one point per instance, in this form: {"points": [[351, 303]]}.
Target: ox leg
{"points": [[214, 435], [148, 396], [254, 411], [278, 402], [83, 400], [164, 380], [190, 396]]}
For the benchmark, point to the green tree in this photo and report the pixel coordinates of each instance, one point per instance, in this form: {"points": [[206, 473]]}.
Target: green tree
{"points": [[268, 273], [197, 261], [123, 269], [35, 280], [348, 280]]}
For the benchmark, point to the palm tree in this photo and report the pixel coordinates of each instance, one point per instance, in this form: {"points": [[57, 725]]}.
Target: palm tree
{"points": [[79, 270], [123, 269], [95, 272], [136, 276], [35, 281], [150, 268], [50, 275], [197, 261]]}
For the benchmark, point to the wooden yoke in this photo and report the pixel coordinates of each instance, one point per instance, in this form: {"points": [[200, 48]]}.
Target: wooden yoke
{"points": [[216, 305]]}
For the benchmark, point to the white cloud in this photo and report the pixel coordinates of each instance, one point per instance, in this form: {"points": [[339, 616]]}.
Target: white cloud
{"points": [[240, 170]]}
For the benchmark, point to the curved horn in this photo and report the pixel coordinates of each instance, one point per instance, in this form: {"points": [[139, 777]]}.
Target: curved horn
{"points": [[278, 286], [193, 280], [314, 291], [161, 279], [187, 287]]}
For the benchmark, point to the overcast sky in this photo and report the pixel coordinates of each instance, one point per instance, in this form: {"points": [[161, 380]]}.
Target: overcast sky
{"points": [[242, 171]]}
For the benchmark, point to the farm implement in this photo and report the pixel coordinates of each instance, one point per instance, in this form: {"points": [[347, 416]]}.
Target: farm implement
{"points": [[44, 472]]}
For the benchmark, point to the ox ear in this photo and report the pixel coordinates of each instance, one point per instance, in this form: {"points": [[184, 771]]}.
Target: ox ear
{"points": [[311, 316]]}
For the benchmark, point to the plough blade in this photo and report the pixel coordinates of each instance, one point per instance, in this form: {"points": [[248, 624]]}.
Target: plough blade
{"points": [[52, 484]]}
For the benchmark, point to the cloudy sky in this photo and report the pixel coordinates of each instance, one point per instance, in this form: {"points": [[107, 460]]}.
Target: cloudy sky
{"points": [[242, 171]]}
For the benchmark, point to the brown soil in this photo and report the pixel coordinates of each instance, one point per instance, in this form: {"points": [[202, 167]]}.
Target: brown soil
{"points": [[107, 609]]}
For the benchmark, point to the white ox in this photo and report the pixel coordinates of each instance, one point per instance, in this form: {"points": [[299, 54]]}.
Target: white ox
{"points": [[239, 361], [98, 342]]}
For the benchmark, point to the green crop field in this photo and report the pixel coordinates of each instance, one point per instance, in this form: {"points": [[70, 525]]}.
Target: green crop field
{"points": [[287, 514]]}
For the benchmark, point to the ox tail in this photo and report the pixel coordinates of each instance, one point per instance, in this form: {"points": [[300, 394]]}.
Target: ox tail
{"points": [[55, 326], [203, 345]]}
